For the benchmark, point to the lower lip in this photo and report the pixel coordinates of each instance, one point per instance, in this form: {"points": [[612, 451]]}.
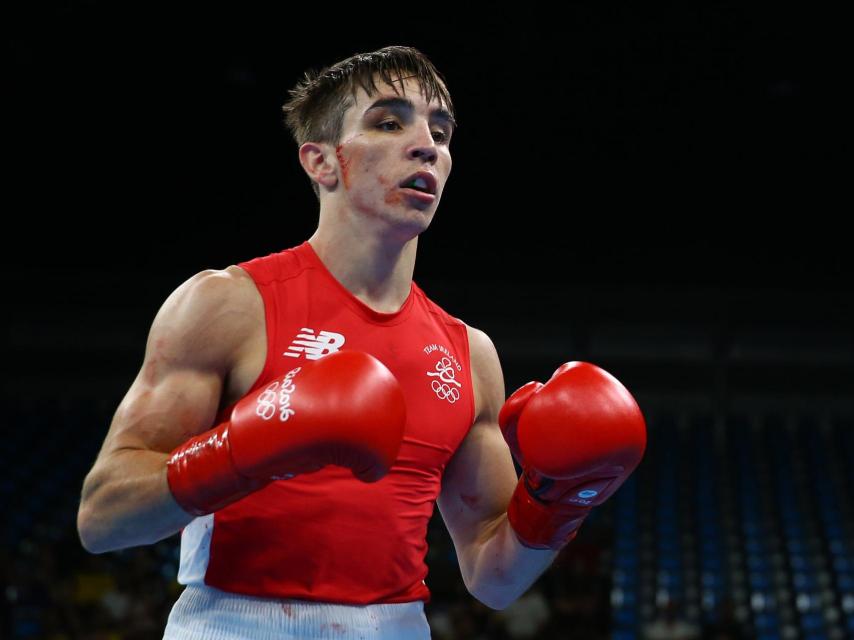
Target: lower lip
{"points": [[426, 198]]}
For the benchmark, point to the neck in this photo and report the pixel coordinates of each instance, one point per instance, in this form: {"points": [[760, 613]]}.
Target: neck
{"points": [[377, 270]]}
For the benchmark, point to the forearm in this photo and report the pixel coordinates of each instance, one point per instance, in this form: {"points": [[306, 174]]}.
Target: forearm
{"points": [[498, 568], [126, 502]]}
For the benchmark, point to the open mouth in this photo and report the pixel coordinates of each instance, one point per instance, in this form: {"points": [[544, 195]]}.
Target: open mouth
{"points": [[421, 181]]}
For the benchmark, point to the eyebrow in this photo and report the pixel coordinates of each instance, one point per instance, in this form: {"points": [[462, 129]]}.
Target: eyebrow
{"points": [[405, 103]]}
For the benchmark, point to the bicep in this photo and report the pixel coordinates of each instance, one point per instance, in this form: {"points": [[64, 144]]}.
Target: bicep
{"points": [[160, 414], [189, 352], [477, 485], [480, 478]]}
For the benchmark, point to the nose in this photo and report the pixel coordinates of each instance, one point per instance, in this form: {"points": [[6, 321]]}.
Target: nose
{"points": [[423, 147]]}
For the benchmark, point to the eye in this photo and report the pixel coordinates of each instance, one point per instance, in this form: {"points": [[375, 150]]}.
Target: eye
{"points": [[440, 136], [389, 125]]}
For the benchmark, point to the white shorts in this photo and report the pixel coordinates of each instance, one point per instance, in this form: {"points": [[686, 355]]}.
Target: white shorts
{"points": [[206, 613]]}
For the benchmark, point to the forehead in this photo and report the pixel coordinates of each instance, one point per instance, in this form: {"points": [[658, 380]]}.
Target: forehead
{"points": [[406, 86]]}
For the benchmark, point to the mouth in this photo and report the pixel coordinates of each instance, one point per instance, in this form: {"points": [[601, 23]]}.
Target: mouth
{"points": [[422, 182]]}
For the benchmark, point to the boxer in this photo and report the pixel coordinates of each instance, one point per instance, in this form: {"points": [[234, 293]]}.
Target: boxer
{"points": [[298, 415]]}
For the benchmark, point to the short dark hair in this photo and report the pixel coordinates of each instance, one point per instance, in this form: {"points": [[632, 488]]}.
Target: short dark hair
{"points": [[315, 110]]}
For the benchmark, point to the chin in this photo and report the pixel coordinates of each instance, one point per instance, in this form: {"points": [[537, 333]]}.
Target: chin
{"points": [[413, 225]]}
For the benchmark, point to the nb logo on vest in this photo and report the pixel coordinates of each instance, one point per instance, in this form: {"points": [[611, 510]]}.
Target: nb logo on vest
{"points": [[314, 346]]}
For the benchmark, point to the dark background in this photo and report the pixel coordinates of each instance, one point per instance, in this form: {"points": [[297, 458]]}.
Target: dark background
{"points": [[661, 190], [676, 164], [679, 145]]}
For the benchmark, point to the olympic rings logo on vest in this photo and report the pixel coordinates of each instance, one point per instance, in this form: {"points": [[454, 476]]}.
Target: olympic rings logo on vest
{"points": [[275, 394], [446, 377]]}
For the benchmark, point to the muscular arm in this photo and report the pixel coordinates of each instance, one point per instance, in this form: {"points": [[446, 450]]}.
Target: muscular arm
{"points": [[194, 343], [476, 489]]}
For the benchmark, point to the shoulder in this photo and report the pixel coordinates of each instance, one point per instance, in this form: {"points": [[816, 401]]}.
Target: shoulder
{"points": [[278, 266], [481, 346], [208, 316], [484, 357], [221, 284], [486, 371], [214, 294]]}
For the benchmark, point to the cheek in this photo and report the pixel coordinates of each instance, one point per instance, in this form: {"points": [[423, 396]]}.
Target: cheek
{"points": [[448, 164], [345, 160], [392, 196], [356, 161]]}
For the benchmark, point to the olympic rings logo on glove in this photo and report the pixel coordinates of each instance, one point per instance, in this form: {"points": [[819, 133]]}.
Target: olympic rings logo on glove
{"points": [[277, 397]]}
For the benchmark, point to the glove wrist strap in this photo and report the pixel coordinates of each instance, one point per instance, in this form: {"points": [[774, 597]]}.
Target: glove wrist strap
{"points": [[202, 477], [540, 525]]}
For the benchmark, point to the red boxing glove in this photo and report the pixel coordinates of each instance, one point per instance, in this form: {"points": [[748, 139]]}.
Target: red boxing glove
{"points": [[346, 409], [577, 437]]}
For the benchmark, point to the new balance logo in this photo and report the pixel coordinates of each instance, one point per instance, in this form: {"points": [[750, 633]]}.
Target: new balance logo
{"points": [[314, 346]]}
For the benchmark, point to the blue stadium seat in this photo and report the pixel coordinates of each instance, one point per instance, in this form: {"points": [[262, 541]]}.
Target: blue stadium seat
{"points": [[624, 618], [766, 622]]}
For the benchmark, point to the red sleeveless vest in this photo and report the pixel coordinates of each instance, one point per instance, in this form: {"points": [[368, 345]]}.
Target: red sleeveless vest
{"points": [[326, 536]]}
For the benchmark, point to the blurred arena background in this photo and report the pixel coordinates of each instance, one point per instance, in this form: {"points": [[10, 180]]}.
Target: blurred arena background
{"points": [[658, 190]]}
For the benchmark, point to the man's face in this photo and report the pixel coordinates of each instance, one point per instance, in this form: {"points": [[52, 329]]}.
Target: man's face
{"points": [[394, 158]]}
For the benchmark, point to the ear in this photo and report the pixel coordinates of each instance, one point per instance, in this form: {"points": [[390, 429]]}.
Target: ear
{"points": [[319, 161]]}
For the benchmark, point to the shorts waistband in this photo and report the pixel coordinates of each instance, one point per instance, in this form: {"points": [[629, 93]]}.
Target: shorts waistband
{"points": [[204, 612]]}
